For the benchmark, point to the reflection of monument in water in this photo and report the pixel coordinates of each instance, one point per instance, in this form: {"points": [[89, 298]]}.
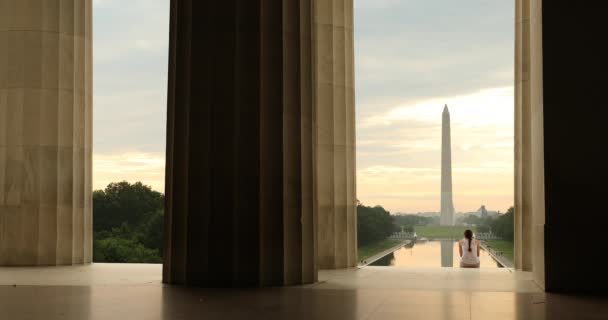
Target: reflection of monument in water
{"points": [[447, 205], [447, 253]]}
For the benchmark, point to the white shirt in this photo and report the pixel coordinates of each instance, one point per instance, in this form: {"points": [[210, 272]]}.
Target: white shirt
{"points": [[469, 257]]}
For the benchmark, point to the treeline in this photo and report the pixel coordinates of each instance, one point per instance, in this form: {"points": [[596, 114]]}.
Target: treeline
{"points": [[373, 224], [502, 225], [128, 224], [407, 222]]}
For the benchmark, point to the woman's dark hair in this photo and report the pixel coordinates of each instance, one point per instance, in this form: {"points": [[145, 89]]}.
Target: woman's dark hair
{"points": [[469, 235]]}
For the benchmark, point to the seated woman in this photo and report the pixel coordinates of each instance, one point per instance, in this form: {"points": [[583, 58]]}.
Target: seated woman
{"points": [[469, 251]]}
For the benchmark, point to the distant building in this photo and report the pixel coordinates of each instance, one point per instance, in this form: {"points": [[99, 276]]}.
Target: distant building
{"points": [[447, 203], [483, 212]]}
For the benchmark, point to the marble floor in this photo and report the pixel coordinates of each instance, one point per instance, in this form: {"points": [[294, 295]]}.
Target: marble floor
{"points": [[113, 291]]}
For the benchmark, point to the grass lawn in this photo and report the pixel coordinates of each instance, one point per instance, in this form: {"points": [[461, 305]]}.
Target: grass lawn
{"points": [[441, 232], [369, 250], [505, 246]]}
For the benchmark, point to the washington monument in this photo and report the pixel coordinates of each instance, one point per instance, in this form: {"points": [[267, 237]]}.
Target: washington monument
{"points": [[447, 205]]}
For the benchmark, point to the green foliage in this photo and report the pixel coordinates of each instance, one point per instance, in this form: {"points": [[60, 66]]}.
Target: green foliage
{"points": [[503, 225], [484, 223], [472, 220], [483, 228], [124, 202], [128, 224], [413, 220], [123, 251], [371, 249], [504, 247], [408, 228], [373, 224], [152, 231]]}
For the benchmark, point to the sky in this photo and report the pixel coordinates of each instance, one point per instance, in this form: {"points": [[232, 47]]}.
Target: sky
{"points": [[411, 58], [130, 52]]}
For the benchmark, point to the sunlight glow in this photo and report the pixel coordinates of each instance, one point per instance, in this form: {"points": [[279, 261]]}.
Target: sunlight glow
{"points": [[401, 148], [148, 168]]}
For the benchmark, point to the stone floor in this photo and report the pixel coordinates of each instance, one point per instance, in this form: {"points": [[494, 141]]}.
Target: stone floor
{"points": [[105, 291]]}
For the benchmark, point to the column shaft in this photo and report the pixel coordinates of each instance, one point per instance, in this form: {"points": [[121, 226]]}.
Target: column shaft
{"points": [[239, 153], [45, 132], [335, 134], [529, 140], [574, 119]]}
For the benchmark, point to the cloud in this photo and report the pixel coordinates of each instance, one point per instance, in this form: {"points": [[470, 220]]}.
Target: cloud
{"points": [[412, 57], [130, 121], [130, 75], [413, 50], [400, 147], [149, 168], [417, 189]]}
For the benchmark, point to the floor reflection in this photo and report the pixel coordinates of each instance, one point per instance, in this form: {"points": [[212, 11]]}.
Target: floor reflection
{"points": [[102, 292], [263, 303], [52, 302], [447, 254], [309, 302]]}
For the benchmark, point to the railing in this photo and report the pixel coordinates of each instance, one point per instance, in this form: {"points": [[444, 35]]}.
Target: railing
{"points": [[404, 235], [413, 235], [498, 256], [486, 236]]}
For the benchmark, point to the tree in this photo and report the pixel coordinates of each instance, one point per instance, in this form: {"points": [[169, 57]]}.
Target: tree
{"points": [[483, 228], [152, 232], [503, 225], [124, 202], [472, 219], [408, 228], [123, 251], [128, 223], [412, 220], [373, 224]]}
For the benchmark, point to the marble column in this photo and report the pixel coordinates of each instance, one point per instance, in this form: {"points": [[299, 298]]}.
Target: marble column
{"points": [[529, 140], [239, 177], [574, 68], [335, 134], [45, 132]]}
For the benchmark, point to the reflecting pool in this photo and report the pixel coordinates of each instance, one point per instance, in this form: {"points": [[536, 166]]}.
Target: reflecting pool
{"points": [[442, 253]]}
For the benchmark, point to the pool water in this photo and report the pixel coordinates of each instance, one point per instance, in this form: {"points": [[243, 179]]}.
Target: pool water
{"points": [[443, 253]]}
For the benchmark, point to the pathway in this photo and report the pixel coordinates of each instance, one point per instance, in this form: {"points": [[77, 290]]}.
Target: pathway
{"points": [[381, 254], [500, 258]]}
